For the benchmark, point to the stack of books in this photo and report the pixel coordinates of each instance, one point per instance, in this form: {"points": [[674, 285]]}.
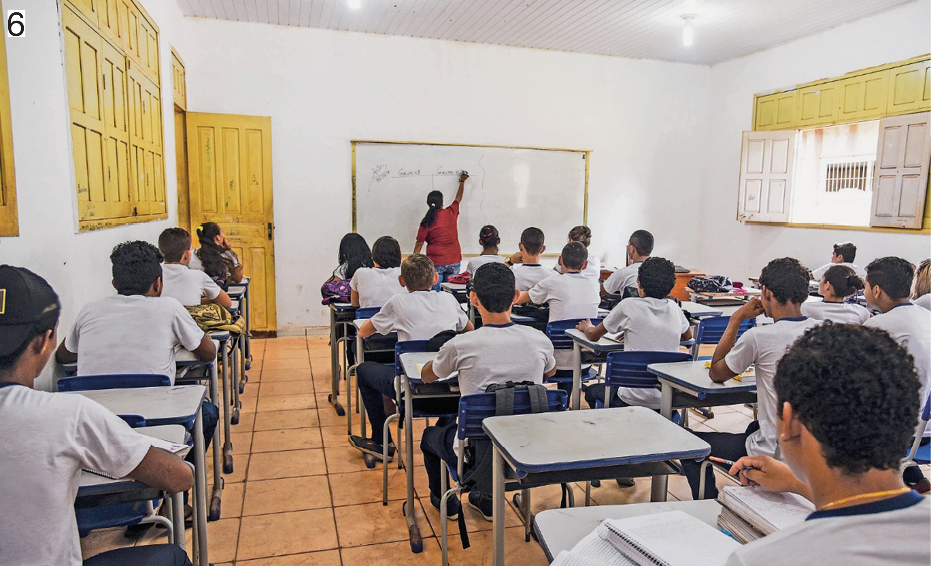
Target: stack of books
{"points": [[749, 513]]}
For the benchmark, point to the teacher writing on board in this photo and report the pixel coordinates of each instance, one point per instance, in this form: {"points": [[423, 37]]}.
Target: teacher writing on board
{"points": [[440, 230]]}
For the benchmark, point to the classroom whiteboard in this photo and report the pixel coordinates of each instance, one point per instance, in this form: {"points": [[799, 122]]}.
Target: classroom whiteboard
{"points": [[510, 188]]}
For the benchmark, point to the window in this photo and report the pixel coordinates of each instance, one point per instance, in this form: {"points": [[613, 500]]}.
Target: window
{"points": [[9, 224]]}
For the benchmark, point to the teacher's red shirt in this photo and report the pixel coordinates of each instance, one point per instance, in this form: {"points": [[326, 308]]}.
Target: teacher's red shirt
{"points": [[442, 237]]}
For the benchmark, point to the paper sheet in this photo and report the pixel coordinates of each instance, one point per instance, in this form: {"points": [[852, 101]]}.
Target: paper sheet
{"points": [[674, 537]]}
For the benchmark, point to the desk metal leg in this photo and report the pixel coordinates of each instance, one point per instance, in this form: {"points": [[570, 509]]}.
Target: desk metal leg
{"points": [[247, 312], [237, 377], [200, 492], [334, 365], [498, 506], [409, 509], [666, 400], [576, 376], [243, 378], [227, 441], [217, 473], [658, 488]]}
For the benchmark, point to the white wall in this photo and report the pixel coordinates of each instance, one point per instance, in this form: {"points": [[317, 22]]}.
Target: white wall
{"points": [[643, 120], [76, 265], [741, 250]]}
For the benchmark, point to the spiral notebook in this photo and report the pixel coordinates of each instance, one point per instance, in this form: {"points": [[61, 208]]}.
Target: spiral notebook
{"points": [[672, 538]]}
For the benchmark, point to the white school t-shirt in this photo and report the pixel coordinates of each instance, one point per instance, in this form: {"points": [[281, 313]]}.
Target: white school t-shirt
{"points": [[910, 326], [841, 313], [764, 346], [569, 295], [528, 275], [420, 315], [624, 277], [495, 354], [189, 286], [47, 439], [819, 273], [592, 268], [924, 301], [875, 534], [195, 262], [478, 261], [376, 285], [648, 324], [132, 334]]}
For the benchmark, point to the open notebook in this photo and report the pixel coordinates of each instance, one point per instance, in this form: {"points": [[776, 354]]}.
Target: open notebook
{"points": [[673, 538], [765, 511]]}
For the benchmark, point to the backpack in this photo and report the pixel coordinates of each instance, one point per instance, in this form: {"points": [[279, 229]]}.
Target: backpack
{"points": [[335, 291], [461, 278], [710, 284], [214, 317]]}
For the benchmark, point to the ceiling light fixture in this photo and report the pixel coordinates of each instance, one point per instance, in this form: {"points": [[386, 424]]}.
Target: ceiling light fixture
{"points": [[355, 4], [688, 32]]}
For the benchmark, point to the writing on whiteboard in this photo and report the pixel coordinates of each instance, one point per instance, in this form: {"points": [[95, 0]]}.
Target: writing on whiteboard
{"points": [[382, 172]]}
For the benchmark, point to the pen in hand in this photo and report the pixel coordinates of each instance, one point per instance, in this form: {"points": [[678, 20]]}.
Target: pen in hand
{"points": [[728, 463]]}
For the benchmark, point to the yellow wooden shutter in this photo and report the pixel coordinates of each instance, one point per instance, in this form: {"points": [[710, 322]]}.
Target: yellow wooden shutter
{"points": [[900, 180], [863, 96], [116, 123], [909, 88]]}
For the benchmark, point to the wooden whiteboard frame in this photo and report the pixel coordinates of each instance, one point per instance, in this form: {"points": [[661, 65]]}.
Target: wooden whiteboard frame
{"points": [[587, 157]]}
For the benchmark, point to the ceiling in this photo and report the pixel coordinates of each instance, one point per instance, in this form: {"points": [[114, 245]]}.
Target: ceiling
{"points": [[647, 29]]}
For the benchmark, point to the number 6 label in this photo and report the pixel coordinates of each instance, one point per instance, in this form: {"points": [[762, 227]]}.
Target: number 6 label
{"points": [[15, 23]]}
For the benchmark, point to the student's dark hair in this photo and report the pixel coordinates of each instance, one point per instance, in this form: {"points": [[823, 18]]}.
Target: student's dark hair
{"points": [[846, 250], [488, 236], [417, 271], [136, 267], [532, 238], [582, 234], [386, 252], [434, 205], [494, 285], [47, 320], [354, 253], [212, 256], [574, 255], [843, 280], [642, 241], [891, 274], [836, 370], [173, 242], [786, 279], [657, 277]]}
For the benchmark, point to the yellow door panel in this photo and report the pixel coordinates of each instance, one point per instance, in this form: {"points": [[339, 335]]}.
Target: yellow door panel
{"points": [[910, 88], [776, 111], [230, 179], [88, 8], [818, 104], [109, 20], [117, 132], [864, 96]]}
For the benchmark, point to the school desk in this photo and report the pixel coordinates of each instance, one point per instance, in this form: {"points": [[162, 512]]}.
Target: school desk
{"points": [[698, 310], [95, 490], [237, 361], [693, 381], [242, 290], [360, 358], [223, 338], [584, 446], [166, 406], [581, 342], [341, 317]]}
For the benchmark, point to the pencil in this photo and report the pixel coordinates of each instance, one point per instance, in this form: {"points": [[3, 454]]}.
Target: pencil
{"points": [[721, 461]]}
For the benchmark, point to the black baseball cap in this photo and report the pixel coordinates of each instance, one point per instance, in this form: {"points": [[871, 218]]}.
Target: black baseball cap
{"points": [[27, 303]]}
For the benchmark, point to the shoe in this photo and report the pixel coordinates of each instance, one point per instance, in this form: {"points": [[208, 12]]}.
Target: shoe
{"points": [[368, 446], [137, 530], [453, 508], [923, 486], [482, 504], [626, 482]]}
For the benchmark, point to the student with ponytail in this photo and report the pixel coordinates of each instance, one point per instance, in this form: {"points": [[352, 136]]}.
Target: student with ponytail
{"points": [[439, 229], [216, 257], [837, 283], [488, 238]]}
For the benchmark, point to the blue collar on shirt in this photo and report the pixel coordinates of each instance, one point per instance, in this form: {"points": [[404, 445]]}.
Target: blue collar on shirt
{"points": [[891, 504], [901, 305], [9, 384], [532, 265], [794, 319], [498, 325]]}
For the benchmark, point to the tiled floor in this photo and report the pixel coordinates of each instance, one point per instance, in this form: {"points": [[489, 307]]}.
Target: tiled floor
{"points": [[300, 495]]}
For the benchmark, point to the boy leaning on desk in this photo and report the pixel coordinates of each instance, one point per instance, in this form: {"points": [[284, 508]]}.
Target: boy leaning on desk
{"points": [[48, 438]]}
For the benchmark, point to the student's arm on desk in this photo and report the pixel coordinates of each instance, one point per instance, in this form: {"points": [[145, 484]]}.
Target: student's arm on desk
{"points": [[163, 470], [770, 474], [592, 332], [367, 329], [65, 356], [523, 298], [236, 274], [426, 374], [205, 351], [687, 335], [222, 299], [720, 372], [354, 297]]}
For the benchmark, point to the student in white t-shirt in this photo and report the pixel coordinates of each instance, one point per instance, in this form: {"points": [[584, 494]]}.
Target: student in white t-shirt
{"points": [[569, 295], [526, 263], [592, 269], [888, 282], [373, 286], [837, 283], [216, 257], [845, 462], [190, 286], [843, 254], [419, 314], [498, 352], [649, 322], [922, 293], [784, 285], [48, 438], [639, 248], [489, 240]]}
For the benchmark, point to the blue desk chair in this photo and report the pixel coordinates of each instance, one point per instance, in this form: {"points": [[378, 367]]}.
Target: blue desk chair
{"points": [[473, 410], [629, 369], [114, 381], [556, 332], [920, 454], [711, 329]]}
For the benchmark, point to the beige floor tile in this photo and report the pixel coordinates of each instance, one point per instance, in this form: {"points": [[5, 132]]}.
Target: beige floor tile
{"points": [[287, 533], [334, 436], [287, 464], [516, 550], [222, 540], [232, 499], [393, 553], [277, 420], [729, 422], [375, 523], [348, 459], [246, 423], [366, 487], [248, 402], [288, 494], [269, 374], [242, 441], [240, 467], [286, 402], [323, 558], [612, 494], [291, 439], [274, 388], [286, 364], [287, 354], [103, 540], [474, 520], [328, 416]]}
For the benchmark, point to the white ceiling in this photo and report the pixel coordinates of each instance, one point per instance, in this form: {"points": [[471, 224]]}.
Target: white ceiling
{"points": [[648, 29]]}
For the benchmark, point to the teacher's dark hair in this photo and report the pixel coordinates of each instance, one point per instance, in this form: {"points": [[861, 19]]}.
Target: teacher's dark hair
{"points": [[435, 202]]}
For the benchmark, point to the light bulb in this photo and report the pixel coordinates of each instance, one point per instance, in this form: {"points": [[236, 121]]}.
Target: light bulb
{"points": [[354, 4], [688, 32]]}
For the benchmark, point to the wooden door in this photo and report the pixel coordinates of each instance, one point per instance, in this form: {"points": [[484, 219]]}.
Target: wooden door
{"points": [[230, 173]]}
